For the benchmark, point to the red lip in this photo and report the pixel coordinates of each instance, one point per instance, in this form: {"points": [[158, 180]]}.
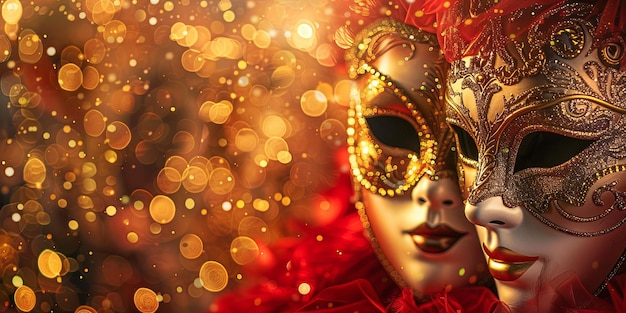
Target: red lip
{"points": [[505, 255], [506, 264], [434, 239]]}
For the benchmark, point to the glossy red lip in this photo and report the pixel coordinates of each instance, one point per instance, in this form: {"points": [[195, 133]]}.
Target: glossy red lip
{"points": [[507, 265], [434, 239], [505, 255]]}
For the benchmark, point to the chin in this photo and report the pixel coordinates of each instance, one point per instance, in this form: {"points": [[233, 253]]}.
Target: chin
{"points": [[517, 298], [526, 295], [429, 287], [422, 276], [434, 278]]}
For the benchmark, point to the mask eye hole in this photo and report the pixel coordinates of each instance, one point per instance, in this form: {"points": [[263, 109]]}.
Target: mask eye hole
{"points": [[467, 145], [394, 131], [547, 149]]}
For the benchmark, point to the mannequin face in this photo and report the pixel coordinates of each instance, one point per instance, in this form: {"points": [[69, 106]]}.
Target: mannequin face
{"points": [[415, 211], [544, 160]]}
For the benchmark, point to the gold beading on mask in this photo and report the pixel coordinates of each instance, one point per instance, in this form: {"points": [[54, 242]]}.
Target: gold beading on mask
{"points": [[375, 170], [383, 170]]}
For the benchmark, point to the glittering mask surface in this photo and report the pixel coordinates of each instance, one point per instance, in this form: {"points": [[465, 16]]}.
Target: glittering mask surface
{"points": [[545, 132], [396, 137]]}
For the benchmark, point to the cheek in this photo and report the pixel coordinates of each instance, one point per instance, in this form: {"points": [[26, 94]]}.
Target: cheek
{"points": [[384, 214], [389, 218], [592, 259], [387, 222]]}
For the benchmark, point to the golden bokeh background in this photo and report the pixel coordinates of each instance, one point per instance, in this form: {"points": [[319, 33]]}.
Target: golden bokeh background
{"points": [[151, 149]]}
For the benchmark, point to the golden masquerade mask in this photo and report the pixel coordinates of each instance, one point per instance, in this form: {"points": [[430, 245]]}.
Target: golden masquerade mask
{"points": [[399, 146], [547, 129], [395, 138]]}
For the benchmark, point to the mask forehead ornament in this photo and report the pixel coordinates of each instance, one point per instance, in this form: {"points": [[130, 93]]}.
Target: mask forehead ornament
{"points": [[385, 168], [546, 119]]}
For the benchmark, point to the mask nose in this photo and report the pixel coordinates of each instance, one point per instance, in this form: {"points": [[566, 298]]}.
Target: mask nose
{"points": [[492, 213], [436, 195]]}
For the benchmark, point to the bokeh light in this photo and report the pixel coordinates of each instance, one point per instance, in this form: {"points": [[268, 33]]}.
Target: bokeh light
{"points": [[151, 149], [12, 11], [213, 276]]}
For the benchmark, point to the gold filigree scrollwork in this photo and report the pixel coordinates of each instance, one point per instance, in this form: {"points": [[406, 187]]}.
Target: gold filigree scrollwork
{"points": [[619, 204], [568, 40], [362, 50], [597, 176], [483, 89], [580, 220], [620, 196], [612, 54]]}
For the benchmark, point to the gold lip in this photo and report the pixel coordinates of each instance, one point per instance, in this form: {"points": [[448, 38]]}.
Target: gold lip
{"points": [[506, 271]]}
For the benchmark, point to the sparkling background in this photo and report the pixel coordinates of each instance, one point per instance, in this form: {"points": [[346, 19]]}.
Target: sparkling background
{"points": [[150, 149]]}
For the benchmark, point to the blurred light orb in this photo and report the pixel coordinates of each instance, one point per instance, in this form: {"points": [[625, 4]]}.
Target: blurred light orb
{"points": [[244, 250], [49, 263], [313, 103], [5, 48], [118, 135], [246, 139], [34, 171], [25, 298], [12, 11], [70, 77], [91, 77], [305, 30], [213, 276], [132, 237], [146, 300], [191, 246], [9, 171], [72, 225], [227, 206], [17, 281], [162, 209], [94, 123], [221, 181], [304, 289]]}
